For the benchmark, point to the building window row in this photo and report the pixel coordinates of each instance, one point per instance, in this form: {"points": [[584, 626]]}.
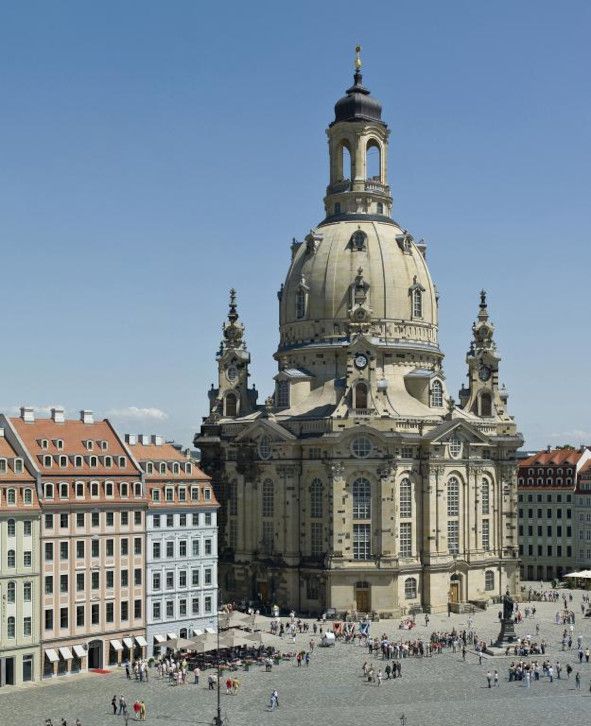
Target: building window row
{"points": [[64, 519], [186, 606], [16, 496], [92, 489], [169, 548]]}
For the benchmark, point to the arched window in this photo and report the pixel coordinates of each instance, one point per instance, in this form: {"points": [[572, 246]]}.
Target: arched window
{"points": [[316, 498], [485, 497], [436, 394], [11, 558], [265, 447], [282, 394], [485, 404], [360, 395], [345, 166], [300, 304], [405, 498], [11, 528], [11, 629], [268, 496], [11, 592], [361, 499], [380, 208], [373, 161], [28, 496], [417, 303], [489, 580], [410, 588], [453, 497], [230, 404]]}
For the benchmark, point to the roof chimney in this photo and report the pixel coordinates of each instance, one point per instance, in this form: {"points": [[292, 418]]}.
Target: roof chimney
{"points": [[57, 414], [86, 416], [158, 440], [130, 439], [548, 449], [28, 414], [144, 439]]}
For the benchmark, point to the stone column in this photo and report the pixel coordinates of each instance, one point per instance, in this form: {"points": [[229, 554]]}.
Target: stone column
{"points": [[336, 493], [387, 513]]}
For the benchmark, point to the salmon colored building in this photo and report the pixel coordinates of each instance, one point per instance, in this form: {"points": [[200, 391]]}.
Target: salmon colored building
{"points": [[92, 540]]}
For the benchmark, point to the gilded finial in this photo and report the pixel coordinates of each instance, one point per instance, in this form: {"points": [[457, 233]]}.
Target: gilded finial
{"points": [[357, 57]]}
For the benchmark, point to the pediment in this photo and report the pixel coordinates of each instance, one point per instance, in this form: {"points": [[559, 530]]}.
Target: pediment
{"points": [[458, 428], [265, 427]]}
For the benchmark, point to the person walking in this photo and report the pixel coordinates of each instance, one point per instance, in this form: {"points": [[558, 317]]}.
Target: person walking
{"points": [[196, 674], [122, 705], [496, 678], [551, 674], [578, 681], [114, 705], [489, 678], [143, 711], [380, 678]]}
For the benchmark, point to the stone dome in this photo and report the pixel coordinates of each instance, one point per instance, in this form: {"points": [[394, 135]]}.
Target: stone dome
{"points": [[376, 259]]}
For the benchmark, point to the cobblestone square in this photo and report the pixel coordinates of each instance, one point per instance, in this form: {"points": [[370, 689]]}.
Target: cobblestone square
{"points": [[441, 689]]}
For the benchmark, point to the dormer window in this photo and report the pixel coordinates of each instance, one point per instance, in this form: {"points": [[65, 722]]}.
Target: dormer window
{"points": [[122, 462], [94, 489], [108, 461], [63, 490], [149, 467], [63, 461], [188, 468], [2, 466], [104, 445], [89, 445], [18, 466], [194, 494], [78, 461], [44, 444], [416, 297], [169, 494], [207, 493], [436, 394], [182, 494], [47, 460], [175, 468], [155, 495], [162, 467], [282, 394], [48, 487], [93, 461], [109, 488], [59, 444], [137, 489], [124, 489]]}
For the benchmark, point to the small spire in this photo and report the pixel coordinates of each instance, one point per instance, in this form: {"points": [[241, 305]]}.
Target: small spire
{"points": [[482, 299], [357, 64], [233, 314]]}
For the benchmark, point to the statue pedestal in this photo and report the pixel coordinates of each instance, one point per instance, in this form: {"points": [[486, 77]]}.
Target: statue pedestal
{"points": [[505, 638]]}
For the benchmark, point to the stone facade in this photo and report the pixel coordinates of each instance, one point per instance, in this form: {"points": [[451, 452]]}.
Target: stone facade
{"points": [[360, 484]]}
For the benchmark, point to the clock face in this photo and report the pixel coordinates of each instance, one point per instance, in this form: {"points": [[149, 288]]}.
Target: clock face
{"points": [[360, 361], [484, 373]]}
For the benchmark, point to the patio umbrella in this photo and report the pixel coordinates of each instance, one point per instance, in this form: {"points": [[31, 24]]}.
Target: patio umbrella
{"points": [[181, 643], [235, 619], [205, 643], [233, 639]]}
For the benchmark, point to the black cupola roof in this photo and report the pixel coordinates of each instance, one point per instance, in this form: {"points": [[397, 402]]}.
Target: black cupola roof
{"points": [[358, 104]]}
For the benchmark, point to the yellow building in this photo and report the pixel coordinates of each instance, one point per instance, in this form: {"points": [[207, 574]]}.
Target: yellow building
{"points": [[361, 484]]}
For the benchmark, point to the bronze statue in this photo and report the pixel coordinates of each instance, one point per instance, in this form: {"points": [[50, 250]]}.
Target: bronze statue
{"points": [[507, 606]]}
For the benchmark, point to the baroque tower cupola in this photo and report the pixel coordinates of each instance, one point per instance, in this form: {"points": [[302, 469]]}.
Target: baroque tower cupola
{"points": [[232, 397], [356, 135]]}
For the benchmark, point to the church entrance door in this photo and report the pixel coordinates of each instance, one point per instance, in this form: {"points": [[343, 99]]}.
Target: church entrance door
{"points": [[263, 588], [362, 597]]}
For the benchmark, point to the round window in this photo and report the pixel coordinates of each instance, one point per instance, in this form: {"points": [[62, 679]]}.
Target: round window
{"points": [[265, 447], [232, 373], [455, 447], [361, 447]]}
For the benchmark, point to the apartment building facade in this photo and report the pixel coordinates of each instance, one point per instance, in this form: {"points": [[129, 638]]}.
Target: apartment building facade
{"points": [[19, 568], [547, 482], [92, 540], [181, 542]]}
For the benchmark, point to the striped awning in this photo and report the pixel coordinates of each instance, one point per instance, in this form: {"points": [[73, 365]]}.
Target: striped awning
{"points": [[197, 632], [160, 638], [141, 641], [52, 655], [117, 644], [66, 653], [172, 636], [128, 642], [80, 651]]}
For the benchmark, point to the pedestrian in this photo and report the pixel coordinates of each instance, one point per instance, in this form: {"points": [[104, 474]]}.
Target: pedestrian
{"points": [[551, 674], [307, 659], [578, 680], [380, 677], [122, 706], [196, 674], [114, 705], [388, 670], [127, 671], [228, 686], [489, 678], [463, 652], [496, 678], [143, 711]]}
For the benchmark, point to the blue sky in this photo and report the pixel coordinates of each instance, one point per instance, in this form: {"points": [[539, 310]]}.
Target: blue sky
{"points": [[154, 154]]}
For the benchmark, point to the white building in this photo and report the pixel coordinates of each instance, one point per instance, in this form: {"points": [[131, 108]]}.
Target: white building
{"points": [[181, 542]]}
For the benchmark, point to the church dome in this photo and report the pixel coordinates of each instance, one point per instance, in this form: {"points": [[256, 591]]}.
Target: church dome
{"points": [[358, 104], [358, 271]]}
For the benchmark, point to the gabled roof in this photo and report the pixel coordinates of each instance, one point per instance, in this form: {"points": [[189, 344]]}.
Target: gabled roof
{"points": [[554, 457]]}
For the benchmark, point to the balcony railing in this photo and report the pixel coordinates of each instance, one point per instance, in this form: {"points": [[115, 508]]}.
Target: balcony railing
{"points": [[375, 185]]}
